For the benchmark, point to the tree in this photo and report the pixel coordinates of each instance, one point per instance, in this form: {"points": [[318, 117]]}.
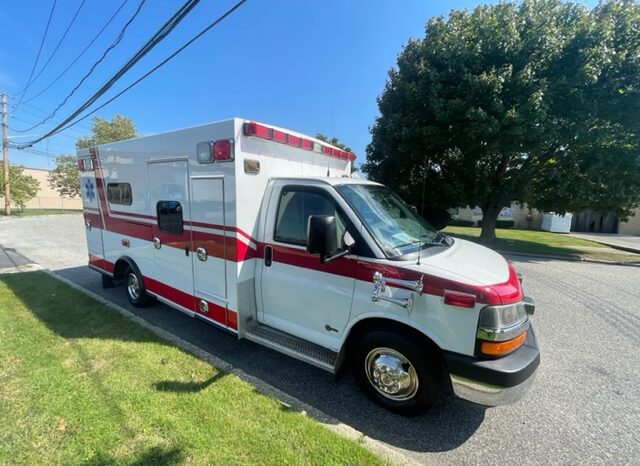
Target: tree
{"points": [[534, 101], [119, 128], [65, 178], [336, 142], [23, 187]]}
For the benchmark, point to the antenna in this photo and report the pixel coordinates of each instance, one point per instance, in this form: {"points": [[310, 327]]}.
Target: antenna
{"points": [[424, 178]]}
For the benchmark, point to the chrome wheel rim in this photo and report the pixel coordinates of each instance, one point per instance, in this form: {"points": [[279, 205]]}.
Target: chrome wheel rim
{"points": [[133, 286], [391, 374]]}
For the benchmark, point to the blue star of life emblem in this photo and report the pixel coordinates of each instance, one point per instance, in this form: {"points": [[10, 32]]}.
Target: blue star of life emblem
{"points": [[89, 190]]}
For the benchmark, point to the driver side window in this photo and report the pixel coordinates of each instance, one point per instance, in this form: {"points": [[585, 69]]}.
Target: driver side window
{"points": [[295, 207]]}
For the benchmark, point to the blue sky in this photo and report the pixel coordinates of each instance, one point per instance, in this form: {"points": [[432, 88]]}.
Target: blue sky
{"points": [[311, 66]]}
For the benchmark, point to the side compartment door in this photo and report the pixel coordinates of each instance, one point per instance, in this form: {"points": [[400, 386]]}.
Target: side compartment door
{"points": [[172, 276], [300, 295], [209, 246]]}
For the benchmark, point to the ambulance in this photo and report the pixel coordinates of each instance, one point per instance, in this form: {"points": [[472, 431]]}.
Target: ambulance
{"points": [[264, 233]]}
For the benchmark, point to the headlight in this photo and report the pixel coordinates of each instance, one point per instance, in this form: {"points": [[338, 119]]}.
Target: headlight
{"points": [[497, 317], [502, 328]]}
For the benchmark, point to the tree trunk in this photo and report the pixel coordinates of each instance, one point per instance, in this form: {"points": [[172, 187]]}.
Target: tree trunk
{"points": [[489, 219]]}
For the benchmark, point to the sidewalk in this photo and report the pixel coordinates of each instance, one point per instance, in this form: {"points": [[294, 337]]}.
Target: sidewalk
{"points": [[624, 242], [12, 261]]}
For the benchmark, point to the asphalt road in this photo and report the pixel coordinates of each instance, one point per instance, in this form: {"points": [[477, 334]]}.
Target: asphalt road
{"points": [[583, 409]]}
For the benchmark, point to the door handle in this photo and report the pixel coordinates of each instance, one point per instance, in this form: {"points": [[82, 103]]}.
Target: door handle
{"points": [[156, 243], [201, 253], [186, 251], [268, 255]]}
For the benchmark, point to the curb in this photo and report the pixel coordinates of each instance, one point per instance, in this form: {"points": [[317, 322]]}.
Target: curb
{"points": [[327, 421], [568, 258]]}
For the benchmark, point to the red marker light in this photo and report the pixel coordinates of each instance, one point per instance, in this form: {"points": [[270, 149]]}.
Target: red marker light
{"points": [[455, 298]]}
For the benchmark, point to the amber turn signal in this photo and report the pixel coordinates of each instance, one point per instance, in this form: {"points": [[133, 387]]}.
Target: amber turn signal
{"points": [[500, 348]]}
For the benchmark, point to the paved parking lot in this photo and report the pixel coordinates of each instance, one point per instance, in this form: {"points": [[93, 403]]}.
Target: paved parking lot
{"points": [[583, 409]]}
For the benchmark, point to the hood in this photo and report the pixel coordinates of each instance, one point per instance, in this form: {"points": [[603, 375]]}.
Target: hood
{"points": [[465, 262]]}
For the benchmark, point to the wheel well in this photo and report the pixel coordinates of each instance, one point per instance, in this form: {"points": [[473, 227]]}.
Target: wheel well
{"points": [[121, 267], [372, 324]]}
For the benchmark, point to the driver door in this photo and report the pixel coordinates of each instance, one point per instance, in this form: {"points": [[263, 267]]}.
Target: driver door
{"points": [[300, 295]]}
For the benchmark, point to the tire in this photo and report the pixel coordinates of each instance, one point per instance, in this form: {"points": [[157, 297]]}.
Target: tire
{"points": [[399, 372], [134, 287]]}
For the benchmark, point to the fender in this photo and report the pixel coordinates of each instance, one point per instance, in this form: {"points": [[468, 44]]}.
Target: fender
{"points": [[396, 318]]}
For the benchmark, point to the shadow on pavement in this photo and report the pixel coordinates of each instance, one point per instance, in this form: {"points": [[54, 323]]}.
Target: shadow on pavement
{"points": [[449, 424]]}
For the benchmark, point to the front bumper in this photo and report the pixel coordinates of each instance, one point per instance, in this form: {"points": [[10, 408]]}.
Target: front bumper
{"points": [[495, 382]]}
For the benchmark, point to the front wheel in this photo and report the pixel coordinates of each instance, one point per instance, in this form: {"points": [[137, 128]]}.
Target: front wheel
{"points": [[135, 289], [400, 373]]}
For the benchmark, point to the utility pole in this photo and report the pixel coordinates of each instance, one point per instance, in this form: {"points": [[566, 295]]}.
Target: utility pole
{"points": [[5, 158]]}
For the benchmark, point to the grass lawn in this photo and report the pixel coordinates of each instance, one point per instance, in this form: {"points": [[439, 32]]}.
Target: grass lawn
{"points": [[81, 384], [35, 212], [543, 242]]}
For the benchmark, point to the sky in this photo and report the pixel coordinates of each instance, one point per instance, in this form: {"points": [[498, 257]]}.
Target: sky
{"points": [[309, 66]]}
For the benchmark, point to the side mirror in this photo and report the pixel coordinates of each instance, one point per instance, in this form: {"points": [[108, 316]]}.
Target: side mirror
{"points": [[322, 238]]}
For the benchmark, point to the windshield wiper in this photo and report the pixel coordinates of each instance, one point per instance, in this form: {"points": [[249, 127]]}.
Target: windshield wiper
{"points": [[442, 238]]}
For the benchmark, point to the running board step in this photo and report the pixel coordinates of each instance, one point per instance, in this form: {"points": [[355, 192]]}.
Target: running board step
{"points": [[292, 346]]}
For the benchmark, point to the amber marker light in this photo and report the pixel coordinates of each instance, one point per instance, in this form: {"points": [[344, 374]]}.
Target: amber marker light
{"points": [[500, 348]]}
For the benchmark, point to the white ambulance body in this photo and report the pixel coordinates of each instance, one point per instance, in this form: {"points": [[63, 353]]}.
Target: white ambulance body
{"points": [[262, 232]]}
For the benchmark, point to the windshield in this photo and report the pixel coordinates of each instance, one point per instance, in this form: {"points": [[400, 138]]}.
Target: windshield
{"points": [[392, 223]]}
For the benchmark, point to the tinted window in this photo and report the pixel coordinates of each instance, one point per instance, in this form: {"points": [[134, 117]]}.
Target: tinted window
{"points": [[119, 193], [170, 217], [294, 209]]}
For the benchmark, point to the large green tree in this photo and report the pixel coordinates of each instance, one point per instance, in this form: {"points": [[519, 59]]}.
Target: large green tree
{"points": [[534, 101], [23, 187], [103, 131], [65, 177]]}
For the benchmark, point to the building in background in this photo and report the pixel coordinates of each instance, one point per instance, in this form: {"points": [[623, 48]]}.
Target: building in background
{"points": [[523, 217], [48, 198]]}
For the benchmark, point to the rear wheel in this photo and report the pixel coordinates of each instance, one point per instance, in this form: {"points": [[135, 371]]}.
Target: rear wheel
{"points": [[135, 289], [400, 373]]}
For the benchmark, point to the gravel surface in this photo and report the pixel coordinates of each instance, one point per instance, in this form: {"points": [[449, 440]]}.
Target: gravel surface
{"points": [[583, 409]]}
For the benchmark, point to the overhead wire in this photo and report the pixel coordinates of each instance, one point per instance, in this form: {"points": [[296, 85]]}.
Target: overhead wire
{"points": [[109, 21], [91, 70], [10, 127], [64, 126], [22, 119], [35, 63], [55, 50], [36, 152]]}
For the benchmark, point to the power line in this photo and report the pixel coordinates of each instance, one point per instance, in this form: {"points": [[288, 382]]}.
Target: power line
{"points": [[38, 152], [80, 132], [80, 128], [151, 43], [162, 63], [91, 70], [64, 35], [44, 36], [109, 21]]}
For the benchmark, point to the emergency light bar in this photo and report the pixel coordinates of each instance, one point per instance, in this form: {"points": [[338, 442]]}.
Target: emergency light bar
{"points": [[260, 131]]}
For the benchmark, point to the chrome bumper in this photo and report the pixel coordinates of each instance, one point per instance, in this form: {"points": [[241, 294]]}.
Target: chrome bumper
{"points": [[489, 395]]}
